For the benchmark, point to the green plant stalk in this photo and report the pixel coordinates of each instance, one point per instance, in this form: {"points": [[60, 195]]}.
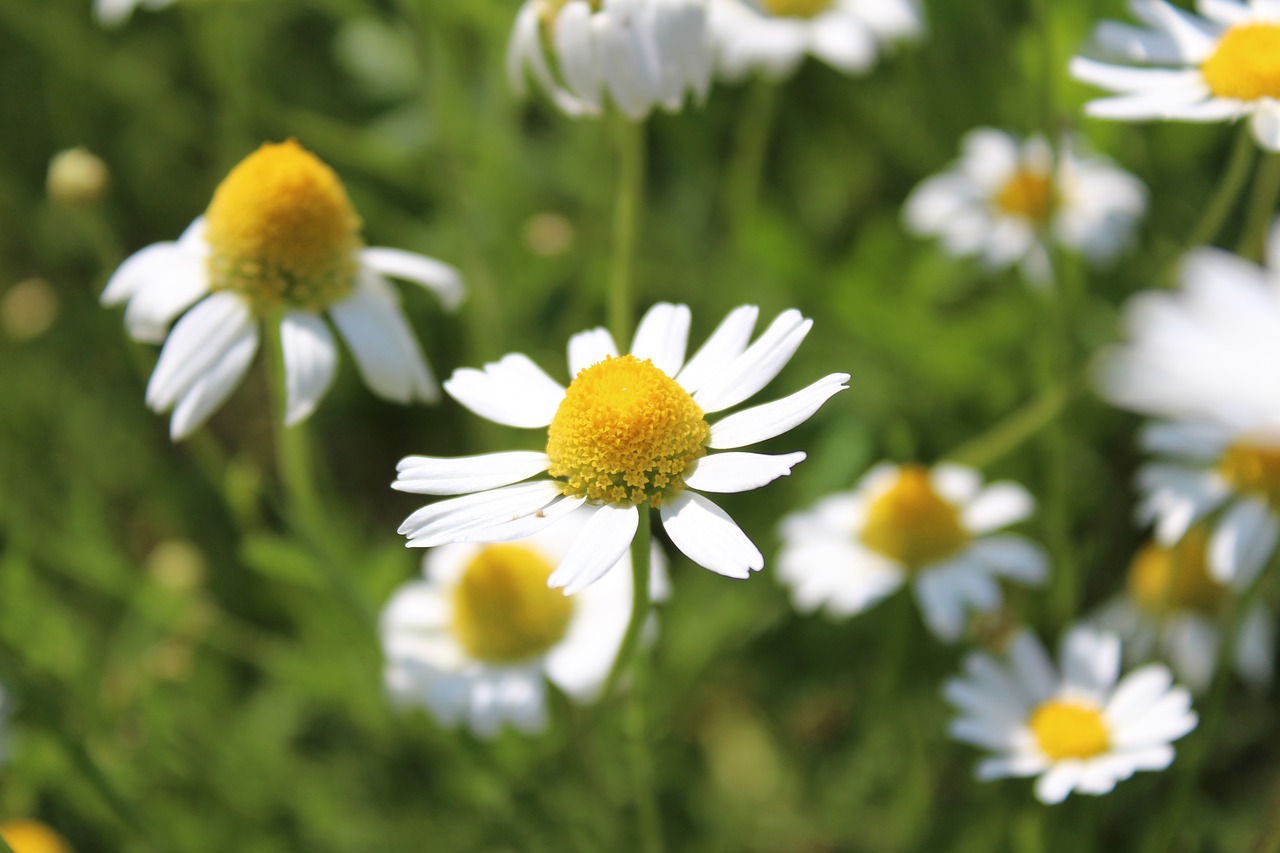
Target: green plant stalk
{"points": [[640, 600], [742, 189], [1262, 209], [1059, 372], [1229, 189], [1008, 434], [626, 215]]}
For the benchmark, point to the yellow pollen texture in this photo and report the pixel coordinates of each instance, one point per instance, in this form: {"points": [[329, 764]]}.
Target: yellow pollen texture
{"points": [[912, 523], [29, 836], [1164, 579], [1253, 469], [503, 611], [1246, 64], [797, 8], [1069, 730], [1028, 195], [625, 433], [282, 231]]}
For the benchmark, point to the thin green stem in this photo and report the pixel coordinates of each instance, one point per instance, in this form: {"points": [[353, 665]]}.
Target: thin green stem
{"points": [[1229, 189], [742, 188], [640, 600], [1008, 434], [1262, 209], [626, 215]]}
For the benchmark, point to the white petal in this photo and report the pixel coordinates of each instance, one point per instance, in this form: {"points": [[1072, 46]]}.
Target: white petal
{"points": [[1136, 44], [1196, 38], [531, 524], [662, 337], [1060, 780], [1223, 11], [576, 52], [1012, 557], [1255, 646], [843, 42], [756, 367], [769, 419], [448, 520], [213, 387], [1137, 691], [725, 345], [431, 475], [739, 472], [512, 391], [707, 535], [180, 278], [310, 361], [588, 348], [438, 277], [1266, 124], [150, 265], [999, 505], [197, 342], [1242, 541], [602, 543], [1034, 670], [1012, 765], [1128, 80], [386, 352], [1090, 660]]}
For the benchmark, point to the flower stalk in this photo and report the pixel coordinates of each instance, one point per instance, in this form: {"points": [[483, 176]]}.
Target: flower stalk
{"points": [[626, 214]]}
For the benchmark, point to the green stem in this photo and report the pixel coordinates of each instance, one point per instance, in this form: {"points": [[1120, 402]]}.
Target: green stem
{"points": [[626, 214], [1262, 209], [1008, 434], [640, 601], [1229, 190], [742, 189], [1058, 370]]}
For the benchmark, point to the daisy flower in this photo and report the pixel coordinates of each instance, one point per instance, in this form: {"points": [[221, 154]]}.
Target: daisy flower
{"points": [[112, 13], [31, 836], [630, 432], [279, 245], [476, 640], [639, 53], [773, 36], [932, 528], [1004, 199], [1078, 729], [1220, 66]]}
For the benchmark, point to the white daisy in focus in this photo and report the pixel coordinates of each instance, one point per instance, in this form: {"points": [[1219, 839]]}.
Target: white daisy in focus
{"points": [[932, 528], [476, 640], [1077, 729], [113, 13], [641, 54], [1219, 67], [774, 36], [280, 245], [1004, 199], [629, 433]]}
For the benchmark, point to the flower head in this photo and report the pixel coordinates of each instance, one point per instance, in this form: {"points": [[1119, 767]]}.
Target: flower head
{"points": [[630, 431], [1077, 728]]}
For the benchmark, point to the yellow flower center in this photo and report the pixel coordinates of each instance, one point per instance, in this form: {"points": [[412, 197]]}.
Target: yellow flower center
{"points": [[1069, 730], [503, 611], [1028, 195], [797, 8], [29, 836], [912, 523], [1163, 579], [625, 432], [1246, 63], [282, 231], [1253, 469]]}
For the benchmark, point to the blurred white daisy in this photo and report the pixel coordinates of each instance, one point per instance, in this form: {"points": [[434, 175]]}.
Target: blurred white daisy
{"points": [[1077, 729], [629, 433], [641, 54], [1004, 199], [280, 245], [1219, 67], [773, 36], [111, 13], [932, 528], [476, 640]]}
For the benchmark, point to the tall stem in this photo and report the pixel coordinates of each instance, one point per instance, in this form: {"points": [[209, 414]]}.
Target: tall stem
{"points": [[626, 215], [1229, 189], [742, 188], [640, 600], [1262, 209]]}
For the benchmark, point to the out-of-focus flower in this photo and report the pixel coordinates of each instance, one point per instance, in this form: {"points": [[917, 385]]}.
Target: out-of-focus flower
{"points": [[641, 54], [1004, 199], [77, 177], [932, 528], [772, 37], [28, 309], [31, 836], [629, 433], [474, 640], [1219, 67], [1077, 728], [280, 245], [113, 13], [548, 234]]}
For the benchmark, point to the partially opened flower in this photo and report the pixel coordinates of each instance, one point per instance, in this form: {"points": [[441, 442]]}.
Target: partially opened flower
{"points": [[1077, 728], [773, 36], [279, 245], [1219, 67], [932, 528], [1005, 199], [629, 433], [111, 13]]}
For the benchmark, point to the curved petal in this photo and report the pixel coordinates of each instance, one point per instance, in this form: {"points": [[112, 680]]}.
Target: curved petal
{"points": [[512, 391], [175, 281], [387, 354], [1242, 542], [726, 344], [770, 419], [707, 535], [449, 520], [197, 342], [739, 472], [440, 278], [433, 475], [603, 541], [662, 337], [998, 505], [310, 362], [213, 387], [588, 348], [756, 367]]}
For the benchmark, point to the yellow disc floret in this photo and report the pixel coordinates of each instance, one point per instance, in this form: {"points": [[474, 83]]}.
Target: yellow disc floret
{"points": [[29, 836], [912, 523], [625, 433], [503, 611], [797, 8], [1028, 195], [1163, 579], [1069, 730], [1246, 64], [1253, 469], [282, 231]]}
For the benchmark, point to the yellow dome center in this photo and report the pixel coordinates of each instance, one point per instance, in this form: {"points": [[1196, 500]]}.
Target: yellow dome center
{"points": [[912, 523], [29, 836], [1069, 730], [1246, 63], [625, 432], [1163, 579], [282, 231], [1253, 469], [1028, 195], [797, 8], [503, 611]]}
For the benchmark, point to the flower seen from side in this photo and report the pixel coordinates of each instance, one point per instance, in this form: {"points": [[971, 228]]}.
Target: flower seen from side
{"points": [[279, 246], [932, 528], [629, 433], [1078, 728]]}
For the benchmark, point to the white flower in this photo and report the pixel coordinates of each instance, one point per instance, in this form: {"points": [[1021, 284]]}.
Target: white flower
{"points": [[630, 432], [474, 640], [773, 36], [1077, 729], [111, 13], [1003, 199], [279, 243], [1219, 67], [931, 528], [641, 53]]}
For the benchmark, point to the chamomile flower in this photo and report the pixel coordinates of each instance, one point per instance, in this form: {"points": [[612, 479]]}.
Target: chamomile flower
{"points": [[932, 528], [279, 245], [476, 640], [773, 36], [640, 54], [1078, 729], [112, 13], [1220, 66], [1006, 198], [629, 433]]}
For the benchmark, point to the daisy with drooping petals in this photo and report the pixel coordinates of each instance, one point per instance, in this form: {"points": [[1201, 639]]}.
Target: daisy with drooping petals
{"points": [[280, 245], [931, 528], [1004, 199], [1219, 67], [111, 13], [1077, 729], [773, 36], [629, 433]]}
